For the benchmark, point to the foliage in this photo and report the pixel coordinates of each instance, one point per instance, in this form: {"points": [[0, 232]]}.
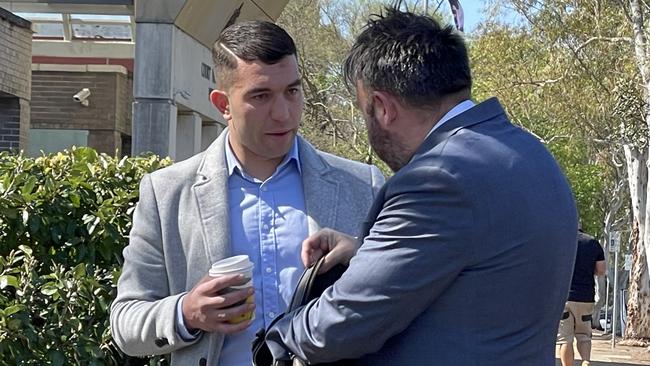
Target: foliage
{"points": [[64, 220], [563, 75]]}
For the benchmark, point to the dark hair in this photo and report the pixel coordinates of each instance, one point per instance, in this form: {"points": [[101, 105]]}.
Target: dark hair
{"points": [[410, 56], [250, 41]]}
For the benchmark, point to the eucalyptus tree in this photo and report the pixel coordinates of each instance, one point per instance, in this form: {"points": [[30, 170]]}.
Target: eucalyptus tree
{"points": [[577, 73]]}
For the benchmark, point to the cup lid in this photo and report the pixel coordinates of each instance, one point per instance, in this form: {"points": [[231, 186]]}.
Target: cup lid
{"points": [[235, 263]]}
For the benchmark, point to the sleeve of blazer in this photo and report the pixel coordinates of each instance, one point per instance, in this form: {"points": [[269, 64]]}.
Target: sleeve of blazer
{"points": [[417, 246], [143, 314]]}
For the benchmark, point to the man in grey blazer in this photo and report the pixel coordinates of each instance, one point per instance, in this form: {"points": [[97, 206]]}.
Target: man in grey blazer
{"points": [[468, 250], [258, 190]]}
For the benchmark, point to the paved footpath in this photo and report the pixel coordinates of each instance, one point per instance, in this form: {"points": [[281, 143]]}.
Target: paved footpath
{"points": [[602, 353]]}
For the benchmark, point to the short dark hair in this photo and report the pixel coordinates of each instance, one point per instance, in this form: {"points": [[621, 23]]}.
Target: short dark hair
{"points": [[250, 41], [410, 56]]}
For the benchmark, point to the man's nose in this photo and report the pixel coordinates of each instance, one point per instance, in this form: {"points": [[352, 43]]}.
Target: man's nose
{"points": [[280, 109]]}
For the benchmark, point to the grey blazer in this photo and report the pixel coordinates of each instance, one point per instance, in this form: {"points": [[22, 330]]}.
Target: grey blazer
{"points": [[467, 258], [181, 226]]}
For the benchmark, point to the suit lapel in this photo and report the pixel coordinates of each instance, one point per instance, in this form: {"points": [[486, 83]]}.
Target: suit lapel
{"points": [[211, 191], [319, 188]]}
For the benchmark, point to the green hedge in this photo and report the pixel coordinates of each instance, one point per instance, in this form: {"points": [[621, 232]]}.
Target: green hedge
{"points": [[64, 220]]}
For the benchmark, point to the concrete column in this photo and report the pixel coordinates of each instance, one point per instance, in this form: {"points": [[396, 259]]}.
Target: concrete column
{"points": [[209, 133], [154, 128], [154, 110], [188, 135]]}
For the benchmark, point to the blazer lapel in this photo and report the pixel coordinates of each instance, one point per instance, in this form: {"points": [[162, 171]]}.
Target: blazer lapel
{"points": [[319, 188], [211, 191]]}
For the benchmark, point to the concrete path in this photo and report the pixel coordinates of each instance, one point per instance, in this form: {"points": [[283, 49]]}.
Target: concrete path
{"points": [[602, 353]]}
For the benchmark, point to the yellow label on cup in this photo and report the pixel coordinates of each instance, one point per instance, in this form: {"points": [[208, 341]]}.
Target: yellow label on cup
{"points": [[249, 315]]}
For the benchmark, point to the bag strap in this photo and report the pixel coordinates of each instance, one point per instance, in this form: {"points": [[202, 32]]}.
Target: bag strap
{"points": [[305, 284]]}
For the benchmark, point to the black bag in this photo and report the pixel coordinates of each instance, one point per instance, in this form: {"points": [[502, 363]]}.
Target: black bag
{"points": [[310, 286]]}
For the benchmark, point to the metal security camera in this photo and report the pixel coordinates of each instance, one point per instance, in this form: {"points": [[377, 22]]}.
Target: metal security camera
{"points": [[82, 97]]}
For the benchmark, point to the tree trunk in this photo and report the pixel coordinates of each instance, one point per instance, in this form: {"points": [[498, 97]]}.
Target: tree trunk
{"points": [[638, 312], [638, 309]]}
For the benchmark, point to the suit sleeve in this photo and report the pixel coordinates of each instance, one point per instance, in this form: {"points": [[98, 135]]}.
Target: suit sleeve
{"points": [[143, 314], [419, 243]]}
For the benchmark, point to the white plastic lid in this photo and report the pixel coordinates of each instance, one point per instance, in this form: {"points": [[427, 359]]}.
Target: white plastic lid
{"points": [[235, 264]]}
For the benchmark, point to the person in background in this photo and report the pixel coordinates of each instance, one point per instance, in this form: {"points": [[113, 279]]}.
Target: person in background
{"points": [[579, 308]]}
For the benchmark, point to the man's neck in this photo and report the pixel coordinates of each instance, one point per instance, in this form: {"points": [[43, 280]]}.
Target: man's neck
{"points": [[421, 121], [254, 165], [260, 168]]}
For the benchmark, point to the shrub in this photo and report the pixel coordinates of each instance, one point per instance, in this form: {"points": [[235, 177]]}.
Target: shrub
{"points": [[64, 220]]}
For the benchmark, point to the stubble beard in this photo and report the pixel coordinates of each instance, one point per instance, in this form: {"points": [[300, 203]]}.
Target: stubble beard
{"points": [[389, 150]]}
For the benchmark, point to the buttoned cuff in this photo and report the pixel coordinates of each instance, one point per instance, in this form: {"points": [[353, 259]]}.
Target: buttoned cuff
{"points": [[181, 329]]}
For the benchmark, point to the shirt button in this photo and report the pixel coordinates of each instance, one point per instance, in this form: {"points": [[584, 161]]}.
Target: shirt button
{"points": [[269, 269], [265, 227], [264, 189], [271, 314]]}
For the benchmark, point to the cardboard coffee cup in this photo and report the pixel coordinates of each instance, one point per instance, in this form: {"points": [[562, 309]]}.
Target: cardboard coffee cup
{"points": [[236, 265]]}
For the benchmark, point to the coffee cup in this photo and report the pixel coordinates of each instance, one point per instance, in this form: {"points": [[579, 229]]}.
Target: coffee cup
{"points": [[239, 264]]}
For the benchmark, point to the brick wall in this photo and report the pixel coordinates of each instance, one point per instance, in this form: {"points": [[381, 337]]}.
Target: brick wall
{"points": [[105, 141], [9, 123], [109, 110], [15, 55], [15, 80]]}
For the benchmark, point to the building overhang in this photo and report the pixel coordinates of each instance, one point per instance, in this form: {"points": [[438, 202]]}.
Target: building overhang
{"points": [[202, 20]]}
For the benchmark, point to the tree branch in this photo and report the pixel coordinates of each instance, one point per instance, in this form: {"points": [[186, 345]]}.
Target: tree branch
{"points": [[603, 39]]}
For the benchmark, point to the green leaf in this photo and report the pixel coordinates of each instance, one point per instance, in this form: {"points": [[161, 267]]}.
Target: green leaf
{"points": [[7, 280], [80, 271], [11, 213], [56, 357], [29, 186], [49, 289], [14, 324], [75, 199], [25, 249], [13, 309]]}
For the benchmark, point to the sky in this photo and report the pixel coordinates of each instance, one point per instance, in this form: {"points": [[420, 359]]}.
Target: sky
{"points": [[473, 13], [472, 9]]}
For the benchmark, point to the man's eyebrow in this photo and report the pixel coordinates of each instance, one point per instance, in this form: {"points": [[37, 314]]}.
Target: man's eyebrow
{"points": [[298, 82], [258, 90]]}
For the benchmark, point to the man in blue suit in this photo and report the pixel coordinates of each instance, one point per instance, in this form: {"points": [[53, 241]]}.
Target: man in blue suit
{"points": [[468, 250]]}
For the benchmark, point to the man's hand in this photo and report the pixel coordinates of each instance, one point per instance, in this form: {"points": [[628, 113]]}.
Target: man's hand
{"points": [[208, 308], [335, 246]]}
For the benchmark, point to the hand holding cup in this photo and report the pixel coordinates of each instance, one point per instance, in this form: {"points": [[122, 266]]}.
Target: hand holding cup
{"points": [[223, 300]]}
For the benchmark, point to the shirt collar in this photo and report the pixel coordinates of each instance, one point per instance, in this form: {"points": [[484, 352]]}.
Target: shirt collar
{"points": [[458, 109], [233, 163]]}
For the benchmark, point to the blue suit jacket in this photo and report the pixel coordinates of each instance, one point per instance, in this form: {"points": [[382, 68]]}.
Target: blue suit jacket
{"points": [[466, 259]]}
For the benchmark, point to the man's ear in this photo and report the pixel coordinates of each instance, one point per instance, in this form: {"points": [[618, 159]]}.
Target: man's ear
{"points": [[220, 100], [385, 109]]}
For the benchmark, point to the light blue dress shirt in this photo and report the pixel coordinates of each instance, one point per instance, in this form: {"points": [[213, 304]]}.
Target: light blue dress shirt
{"points": [[268, 222], [458, 109]]}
